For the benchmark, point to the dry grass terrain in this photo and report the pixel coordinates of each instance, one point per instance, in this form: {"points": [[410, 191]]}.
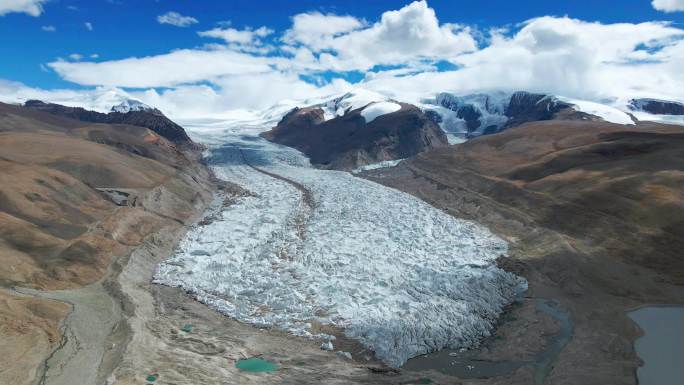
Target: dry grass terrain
{"points": [[60, 224]]}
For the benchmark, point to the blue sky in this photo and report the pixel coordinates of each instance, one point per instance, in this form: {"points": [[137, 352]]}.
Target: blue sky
{"points": [[125, 28], [197, 58]]}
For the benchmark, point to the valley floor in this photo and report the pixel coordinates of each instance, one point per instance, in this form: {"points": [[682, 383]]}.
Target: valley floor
{"points": [[278, 191], [302, 223]]}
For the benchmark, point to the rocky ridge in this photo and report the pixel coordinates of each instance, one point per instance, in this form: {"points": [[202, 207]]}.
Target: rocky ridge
{"points": [[347, 141], [136, 114]]}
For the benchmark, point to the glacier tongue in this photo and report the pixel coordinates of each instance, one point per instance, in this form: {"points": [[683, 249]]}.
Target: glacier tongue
{"points": [[386, 268]]}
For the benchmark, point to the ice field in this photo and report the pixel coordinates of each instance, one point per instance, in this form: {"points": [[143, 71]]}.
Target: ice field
{"points": [[309, 245]]}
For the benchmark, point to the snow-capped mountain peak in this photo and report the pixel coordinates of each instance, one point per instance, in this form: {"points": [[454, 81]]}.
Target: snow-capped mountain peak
{"points": [[129, 105], [466, 116], [352, 100]]}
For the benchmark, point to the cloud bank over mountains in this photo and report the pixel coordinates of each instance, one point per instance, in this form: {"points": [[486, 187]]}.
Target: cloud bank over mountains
{"points": [[406, 53]]}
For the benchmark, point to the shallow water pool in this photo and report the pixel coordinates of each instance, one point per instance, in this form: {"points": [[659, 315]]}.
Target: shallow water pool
{"points": [[662, 345], [256, 365]]}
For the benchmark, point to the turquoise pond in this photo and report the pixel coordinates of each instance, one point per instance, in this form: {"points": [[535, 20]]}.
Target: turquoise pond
{"points": [[256, 365]]}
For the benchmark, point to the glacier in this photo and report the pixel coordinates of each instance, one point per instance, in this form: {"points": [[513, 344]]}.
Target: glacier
{"points": [[607, 113], [309, 245]]}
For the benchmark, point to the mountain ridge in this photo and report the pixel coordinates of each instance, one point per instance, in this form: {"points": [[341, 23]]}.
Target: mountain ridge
{"points": [[355, 139], [141, 116]]}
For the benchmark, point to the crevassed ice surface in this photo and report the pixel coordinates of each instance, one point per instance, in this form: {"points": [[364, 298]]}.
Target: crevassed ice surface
{"points": [[389, 270]]}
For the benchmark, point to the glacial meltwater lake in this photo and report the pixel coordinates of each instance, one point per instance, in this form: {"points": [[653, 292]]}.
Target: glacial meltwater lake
{"points": [[662, 345]]}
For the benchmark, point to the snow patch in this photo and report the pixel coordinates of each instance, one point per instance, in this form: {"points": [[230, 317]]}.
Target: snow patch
{"points": [[375, 110], [665, 119], [353, 100], [375, 166], [605, 112]]}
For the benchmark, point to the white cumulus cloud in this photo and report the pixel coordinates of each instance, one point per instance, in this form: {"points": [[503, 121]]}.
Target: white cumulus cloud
{"points": [[410, 33], [30, 7], [668, 5], [176, 19], [177, 67], [564, 56], [316, 30], [407, 35], [402, 54], [232, 35]]}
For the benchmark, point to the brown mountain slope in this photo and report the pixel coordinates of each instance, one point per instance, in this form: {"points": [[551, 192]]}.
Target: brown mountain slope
{"points": [[594, 214], [30, 329], [620, 188], [152, 119], [75, 196], [51, 205]]}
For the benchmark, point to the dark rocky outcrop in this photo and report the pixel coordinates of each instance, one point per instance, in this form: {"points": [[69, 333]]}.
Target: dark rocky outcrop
{"points": [[471, 116], [657, 107], [488, 114], [527, 107], [347, 142], [149, 118]]}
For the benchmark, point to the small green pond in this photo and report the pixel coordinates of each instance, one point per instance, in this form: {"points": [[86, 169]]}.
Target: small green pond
{"points": [[256, 365], [187, 328]]}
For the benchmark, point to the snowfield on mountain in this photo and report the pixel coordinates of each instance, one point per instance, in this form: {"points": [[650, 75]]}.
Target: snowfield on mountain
{"points": [[375, 110]]}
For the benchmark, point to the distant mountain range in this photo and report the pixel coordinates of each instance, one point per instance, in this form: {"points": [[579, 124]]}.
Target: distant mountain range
{"points": [[483, 114], [657, 107], [364, 127]]}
